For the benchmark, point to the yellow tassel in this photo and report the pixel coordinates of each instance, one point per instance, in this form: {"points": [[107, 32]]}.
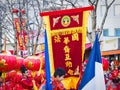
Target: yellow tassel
{"points": [[4, 75], [34, 85], [33, 73]]}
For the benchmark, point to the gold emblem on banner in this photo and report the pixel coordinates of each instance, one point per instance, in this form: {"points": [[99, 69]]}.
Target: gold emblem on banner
{"points": [[65, 21]]}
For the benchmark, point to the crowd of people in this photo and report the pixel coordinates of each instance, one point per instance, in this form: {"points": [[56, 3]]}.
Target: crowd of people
{"points": [[112, 76], [25, 80]]}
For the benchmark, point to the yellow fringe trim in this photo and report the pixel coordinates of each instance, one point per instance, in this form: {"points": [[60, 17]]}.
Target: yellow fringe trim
{"points": [[70, 82]]}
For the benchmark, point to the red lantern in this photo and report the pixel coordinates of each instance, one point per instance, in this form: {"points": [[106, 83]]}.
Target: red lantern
{"points": [[2, 62], [32, 63], [11, 74], [105, 63], [23, 11], [7, 62], [19, 63], [15, 10]]}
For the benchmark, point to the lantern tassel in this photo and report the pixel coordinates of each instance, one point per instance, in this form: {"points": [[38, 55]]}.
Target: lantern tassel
{"points": [[40, 70], [34, 85], [33, 81], [4, 76]]}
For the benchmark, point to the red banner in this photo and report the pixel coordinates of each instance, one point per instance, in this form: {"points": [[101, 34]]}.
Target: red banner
{"points": [[66, 32], [21, 33], [66, 21], [67, 51]]}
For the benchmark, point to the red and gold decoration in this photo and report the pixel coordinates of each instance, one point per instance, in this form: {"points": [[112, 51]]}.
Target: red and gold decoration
{"points": [[19, 62], [7, 62], [66, 33], [21, 34], [15, 11], [32, 63]]}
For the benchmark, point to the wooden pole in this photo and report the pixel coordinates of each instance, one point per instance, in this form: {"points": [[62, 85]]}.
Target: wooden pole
{"points": [[5, 43], [34, 49]]}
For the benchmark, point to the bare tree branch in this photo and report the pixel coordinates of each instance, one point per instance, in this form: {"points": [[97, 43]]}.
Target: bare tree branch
{"points": [[105, 15]]}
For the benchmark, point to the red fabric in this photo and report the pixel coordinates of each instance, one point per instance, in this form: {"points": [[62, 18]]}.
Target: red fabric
{"points": [[27, 83], [38, 80], [115, 73], [4, 87], [118, 86], [10, 75], [17, 78], [18, 87], [67, 11], [105, 64], [73, 23], [13, 80], [111, 87], [12, 52], [57, 85], [75, 53]]}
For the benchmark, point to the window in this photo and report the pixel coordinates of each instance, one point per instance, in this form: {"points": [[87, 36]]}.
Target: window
{"points": [[105, 32], [117, 9], [117, 31]]}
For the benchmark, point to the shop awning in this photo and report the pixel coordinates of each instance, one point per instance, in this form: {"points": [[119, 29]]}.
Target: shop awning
{"points": [[112, 52]]}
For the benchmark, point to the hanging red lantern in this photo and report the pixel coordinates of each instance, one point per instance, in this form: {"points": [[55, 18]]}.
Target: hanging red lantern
{"points": [[7, 62], [10, 75], [3, 63], [23, 11], [15, 10], [19, 63], [105, 63], [32, 63]]}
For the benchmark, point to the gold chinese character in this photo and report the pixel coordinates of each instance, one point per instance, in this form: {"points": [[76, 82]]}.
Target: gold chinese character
{"points": [[67, 57], [66, 49], [68, 64], [66, 40], [57, 39], [70, 72], [75, 37], [18, 27], [20, 41]]}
